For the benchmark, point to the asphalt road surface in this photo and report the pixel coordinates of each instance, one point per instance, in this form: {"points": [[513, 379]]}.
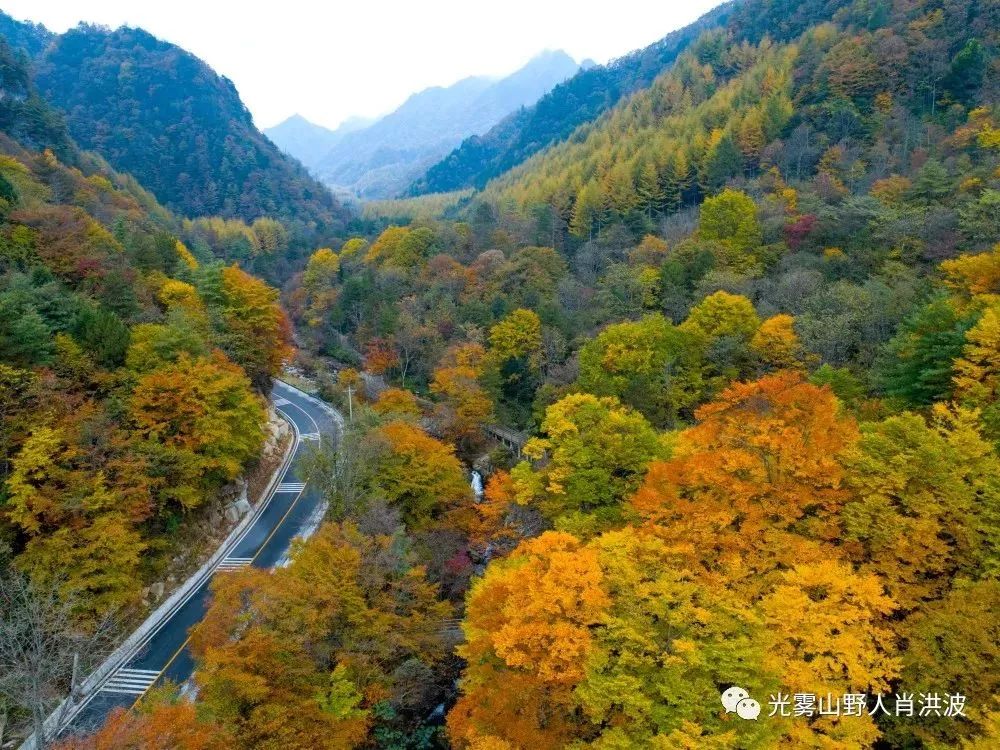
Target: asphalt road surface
{"points": [[164, 655]]}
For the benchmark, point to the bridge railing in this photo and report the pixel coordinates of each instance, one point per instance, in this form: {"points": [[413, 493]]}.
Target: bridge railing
{"points": [[511, 438]]}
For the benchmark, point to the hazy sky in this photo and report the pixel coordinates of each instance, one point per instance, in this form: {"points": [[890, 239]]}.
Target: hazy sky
{"points": [[330, 60]]}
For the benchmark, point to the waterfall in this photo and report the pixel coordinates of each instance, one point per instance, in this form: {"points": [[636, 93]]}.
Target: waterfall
{"points": [[477, 485]]}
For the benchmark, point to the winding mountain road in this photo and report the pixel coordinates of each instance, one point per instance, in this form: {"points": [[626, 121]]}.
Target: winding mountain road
{"points": [[162, 653]]}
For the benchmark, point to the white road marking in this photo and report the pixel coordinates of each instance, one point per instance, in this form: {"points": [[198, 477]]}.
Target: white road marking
{"points": [[233, 563], [168, 618], [291, 487], [131, 681]]}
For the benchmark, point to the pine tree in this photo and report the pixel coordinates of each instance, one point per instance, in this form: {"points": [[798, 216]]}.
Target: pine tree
{"points": [[678, 181], [651, 193], [722, 162]]}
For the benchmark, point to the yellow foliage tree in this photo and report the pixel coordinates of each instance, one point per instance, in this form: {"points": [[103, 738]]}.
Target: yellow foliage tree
{"points": [[827, 634], [776, 344], [974, 275], [519, 335], [199, 420], [397, 401], [420, 474], [593, 455]]}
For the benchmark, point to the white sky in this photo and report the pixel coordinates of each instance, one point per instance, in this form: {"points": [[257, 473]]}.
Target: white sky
{"points": [[330, 60]]}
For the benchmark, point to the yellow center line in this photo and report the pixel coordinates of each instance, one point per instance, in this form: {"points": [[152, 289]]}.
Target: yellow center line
{"points": [[270, 536], [187, 640]]}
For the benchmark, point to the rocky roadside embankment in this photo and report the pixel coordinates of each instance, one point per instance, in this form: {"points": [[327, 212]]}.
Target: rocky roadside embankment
{"points": [[204, 531]]}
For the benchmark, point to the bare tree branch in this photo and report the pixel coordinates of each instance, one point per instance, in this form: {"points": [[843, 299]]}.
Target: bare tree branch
{"points": [[40, 640]]}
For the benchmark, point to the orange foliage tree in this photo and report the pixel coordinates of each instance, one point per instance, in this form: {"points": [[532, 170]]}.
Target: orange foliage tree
{"points": [[301, 657], [464, 406], [420, 475], [380, 357], [528, 634], [610, 643], [157, 725], [756, 484]]}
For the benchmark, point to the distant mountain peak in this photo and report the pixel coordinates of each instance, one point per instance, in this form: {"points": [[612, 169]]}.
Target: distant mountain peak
{"points": [[295, 119], [303, 139], [572, 102], [554, 54], [380, 160]]}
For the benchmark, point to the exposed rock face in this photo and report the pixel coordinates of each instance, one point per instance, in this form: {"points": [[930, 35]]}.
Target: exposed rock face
{"points": [[277, 431], [484, 465]]}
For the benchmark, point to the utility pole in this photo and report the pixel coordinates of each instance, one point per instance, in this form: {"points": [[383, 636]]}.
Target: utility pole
{"points": [[76, 675], [350, 403]]}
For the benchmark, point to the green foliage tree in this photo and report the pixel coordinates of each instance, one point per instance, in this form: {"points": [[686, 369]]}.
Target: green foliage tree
{"points": [[25, 338], [594, 454], [650, 365], [722, 163], [918, 365], [730, 218], [104, 334]]}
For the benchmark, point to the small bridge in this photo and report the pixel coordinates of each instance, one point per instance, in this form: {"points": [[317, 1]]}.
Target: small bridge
{"points": [[513, 439]]}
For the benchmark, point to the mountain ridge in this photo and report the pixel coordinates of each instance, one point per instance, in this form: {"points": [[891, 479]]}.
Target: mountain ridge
{"points": [[308, 141], [161, 114], [555, 115], [382, 159], [27, 35]]}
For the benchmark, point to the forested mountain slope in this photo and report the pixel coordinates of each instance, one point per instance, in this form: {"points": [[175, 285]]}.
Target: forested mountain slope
{"points": [[749, 317], [24, 114], [129, 373], [159, 113], [580, 99], [31, 37], [837, 98]]}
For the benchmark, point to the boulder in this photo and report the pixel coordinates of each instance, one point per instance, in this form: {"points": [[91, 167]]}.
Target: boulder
{"points": [[484, 465], [157, 590]]}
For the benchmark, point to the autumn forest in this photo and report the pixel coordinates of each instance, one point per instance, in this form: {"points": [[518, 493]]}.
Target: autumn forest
{"points": [[691, 383]]}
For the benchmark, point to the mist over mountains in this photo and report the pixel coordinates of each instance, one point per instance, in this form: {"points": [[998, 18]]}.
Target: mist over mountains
{"points": [[382, 159], [309, 142]]}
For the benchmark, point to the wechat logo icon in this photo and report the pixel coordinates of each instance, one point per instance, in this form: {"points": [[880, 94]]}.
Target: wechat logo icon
{"points": [[737, 700]]}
